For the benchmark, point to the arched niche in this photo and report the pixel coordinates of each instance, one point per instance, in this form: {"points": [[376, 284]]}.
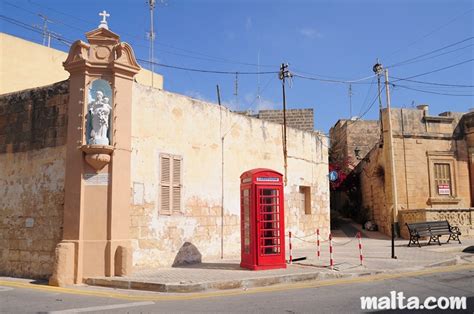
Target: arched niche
{"points": [[99, 113]]}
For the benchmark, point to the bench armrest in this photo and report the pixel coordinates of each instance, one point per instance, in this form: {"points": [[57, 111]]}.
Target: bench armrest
{"points": [[455, 230]]}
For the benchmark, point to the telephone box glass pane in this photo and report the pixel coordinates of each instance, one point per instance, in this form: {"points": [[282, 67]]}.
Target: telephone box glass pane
{"points": [[246, 204], [269, 213]]}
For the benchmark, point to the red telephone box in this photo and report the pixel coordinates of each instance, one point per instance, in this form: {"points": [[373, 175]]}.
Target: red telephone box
{"points": [[262, 220]]}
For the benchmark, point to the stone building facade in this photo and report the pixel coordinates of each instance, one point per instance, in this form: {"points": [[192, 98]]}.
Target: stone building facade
{"points": [[348, 137], [167, 175], [301, 119], [433, 157]]}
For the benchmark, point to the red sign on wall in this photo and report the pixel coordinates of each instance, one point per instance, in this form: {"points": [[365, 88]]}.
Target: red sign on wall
{"points": [[444, 189]]}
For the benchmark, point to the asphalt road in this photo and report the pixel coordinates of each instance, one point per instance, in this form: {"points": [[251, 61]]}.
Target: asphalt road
{"points": [[338, 297]]}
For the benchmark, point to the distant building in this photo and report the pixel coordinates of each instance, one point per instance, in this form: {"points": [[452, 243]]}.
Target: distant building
{"points": [[350, 140], [301, 119]]}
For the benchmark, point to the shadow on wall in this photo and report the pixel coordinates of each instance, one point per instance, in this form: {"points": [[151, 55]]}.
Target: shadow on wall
{"points": [[187, 254]]}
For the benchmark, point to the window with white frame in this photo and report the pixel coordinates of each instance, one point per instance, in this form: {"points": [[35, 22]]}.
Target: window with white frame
{"points": [[170, 184]]}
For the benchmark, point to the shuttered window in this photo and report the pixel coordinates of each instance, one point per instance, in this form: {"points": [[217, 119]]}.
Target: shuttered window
{"points": [[170, 184], [442, 178]]}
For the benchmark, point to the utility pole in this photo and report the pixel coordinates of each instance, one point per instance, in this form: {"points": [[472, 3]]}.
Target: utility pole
{"points": [[392, 165], [284, 73], [378, 69], [258, 79], [151, 36]]}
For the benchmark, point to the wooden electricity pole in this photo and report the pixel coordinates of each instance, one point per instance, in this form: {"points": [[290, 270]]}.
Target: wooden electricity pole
{"points": [[392, 165], [284, 73]]}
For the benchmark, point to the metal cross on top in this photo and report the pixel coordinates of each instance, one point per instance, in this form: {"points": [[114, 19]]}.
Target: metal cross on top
{"points": [[103, 23]]}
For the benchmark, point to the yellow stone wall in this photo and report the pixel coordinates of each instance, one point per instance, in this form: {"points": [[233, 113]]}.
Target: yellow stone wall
{"points": [[164, 122], [25, 64]]}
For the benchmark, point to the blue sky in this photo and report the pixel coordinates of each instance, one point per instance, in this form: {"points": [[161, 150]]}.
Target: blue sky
{"points": [[320, 39]]}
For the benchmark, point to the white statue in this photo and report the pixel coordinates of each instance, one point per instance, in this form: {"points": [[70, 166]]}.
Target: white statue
{"points": [[99, 110]]}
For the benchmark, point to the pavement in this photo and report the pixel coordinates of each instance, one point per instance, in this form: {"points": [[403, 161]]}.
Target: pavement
{"points": [[227, 274], [320, 296]]}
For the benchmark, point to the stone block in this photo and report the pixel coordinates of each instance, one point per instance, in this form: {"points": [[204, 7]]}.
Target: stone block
{"points": [[123, 261], [64, 264]]}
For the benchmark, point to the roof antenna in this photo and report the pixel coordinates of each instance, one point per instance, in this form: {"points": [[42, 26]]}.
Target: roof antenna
{"points": [[258, 79], [151, 37]]}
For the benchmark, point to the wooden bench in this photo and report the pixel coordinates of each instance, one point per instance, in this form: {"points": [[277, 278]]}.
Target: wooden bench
{"points": [[432, 229]]}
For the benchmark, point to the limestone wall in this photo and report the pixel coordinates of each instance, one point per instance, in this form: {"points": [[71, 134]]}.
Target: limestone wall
{"points": [[373, 189], [169, 123], [32, 166]]}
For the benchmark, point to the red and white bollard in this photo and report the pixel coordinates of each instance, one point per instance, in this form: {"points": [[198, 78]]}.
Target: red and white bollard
{"points": [[318, 245], [291, 247], [360, 248], [331, 261]]}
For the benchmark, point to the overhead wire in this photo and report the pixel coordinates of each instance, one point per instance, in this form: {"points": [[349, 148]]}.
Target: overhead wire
{"points": [[355, 81], [433, 92], [435, 56], [436, 70], [366, 96], [433, 31], [69, 42], [431, 83], [373, 102], [210, 58], [429, 53], [36, 30], [207, 71]]}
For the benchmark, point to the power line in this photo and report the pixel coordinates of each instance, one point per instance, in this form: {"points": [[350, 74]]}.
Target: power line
{"points": [[62, 39], [437, 70], [435, 56], [160, 43], [36, 30], [208, 71], [433, 31], [431, 92], [431, 83], [366, 97], [431, 52], [373, 102], [356, 81]]}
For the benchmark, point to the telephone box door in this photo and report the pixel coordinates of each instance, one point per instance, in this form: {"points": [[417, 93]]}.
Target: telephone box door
{"points": [[270, 225]]}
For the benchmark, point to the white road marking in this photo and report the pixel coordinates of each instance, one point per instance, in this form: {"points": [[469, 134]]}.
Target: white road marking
{"points": [[2, 289], [102, 307]]}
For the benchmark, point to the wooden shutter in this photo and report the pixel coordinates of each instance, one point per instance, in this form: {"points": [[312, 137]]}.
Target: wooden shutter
{"points": [[442, 175], [176, 180], [170, 184], [165, 184]]}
